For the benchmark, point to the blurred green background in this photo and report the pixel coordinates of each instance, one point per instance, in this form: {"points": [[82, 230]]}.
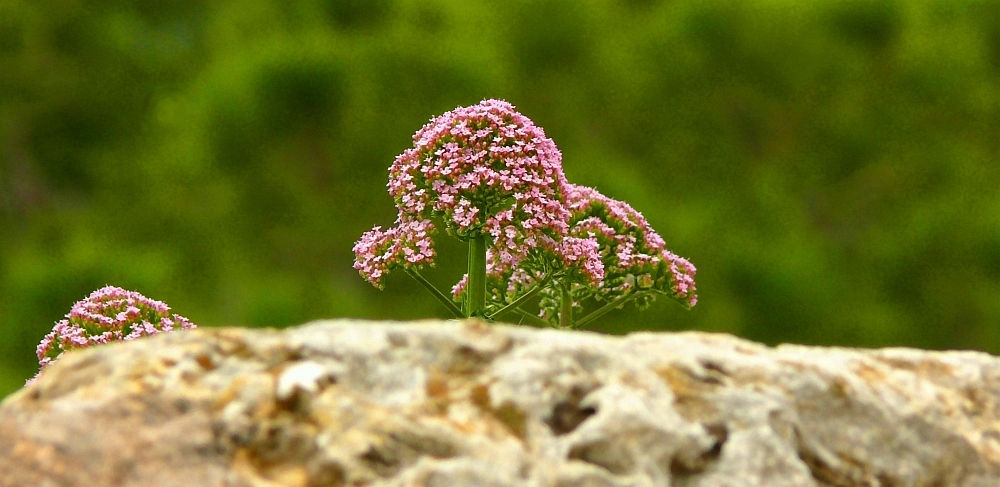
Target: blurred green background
{"points": [[832, 167]]}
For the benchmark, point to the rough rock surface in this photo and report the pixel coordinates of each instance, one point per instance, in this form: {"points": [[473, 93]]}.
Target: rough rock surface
{"points": [[350, 403]]}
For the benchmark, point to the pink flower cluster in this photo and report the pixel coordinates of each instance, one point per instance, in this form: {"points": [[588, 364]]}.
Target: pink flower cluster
{"points": [[468, 164], [108, 314], [633, 248], [485, 169], [407, 244]]}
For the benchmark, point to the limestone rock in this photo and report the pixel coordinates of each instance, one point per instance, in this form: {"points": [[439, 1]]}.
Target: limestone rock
{"points": [[352, 403]]}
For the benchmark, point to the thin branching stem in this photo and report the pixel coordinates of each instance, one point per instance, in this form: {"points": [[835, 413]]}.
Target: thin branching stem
{"points": [[620, 300], [521, 300], [530, 318], [437, 294]]}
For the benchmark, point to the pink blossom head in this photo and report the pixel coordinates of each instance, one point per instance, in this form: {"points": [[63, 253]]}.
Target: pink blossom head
{"points": [[406, 245], [634, 255], [108, 314], [486, 170], [480, 168]]}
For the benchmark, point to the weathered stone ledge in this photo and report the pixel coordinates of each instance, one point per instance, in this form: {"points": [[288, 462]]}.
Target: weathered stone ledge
{"points": [[351, 403]]}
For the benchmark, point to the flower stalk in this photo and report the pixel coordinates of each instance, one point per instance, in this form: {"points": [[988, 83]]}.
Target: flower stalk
{"points": [[475, 294], [566, 308]]}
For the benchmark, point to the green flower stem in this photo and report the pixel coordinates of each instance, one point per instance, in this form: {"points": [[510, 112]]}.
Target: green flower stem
{"points": [[521, 300], [532, 319], [437, 294], [620, 300], [475, 293], [566, 309]]}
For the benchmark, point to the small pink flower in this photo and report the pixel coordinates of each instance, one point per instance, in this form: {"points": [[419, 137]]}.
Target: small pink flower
{"points": [[459, 287]]}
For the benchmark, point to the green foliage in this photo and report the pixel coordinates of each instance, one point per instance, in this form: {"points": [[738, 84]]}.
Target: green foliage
{"points": [[831, 167]]}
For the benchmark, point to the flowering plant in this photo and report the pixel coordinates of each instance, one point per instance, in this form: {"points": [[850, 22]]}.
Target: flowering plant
{"points": [[108, 314], [493, 179]]}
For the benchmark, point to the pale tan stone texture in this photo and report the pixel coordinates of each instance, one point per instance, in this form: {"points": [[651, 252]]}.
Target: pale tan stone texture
{"points": [[354, 403]]}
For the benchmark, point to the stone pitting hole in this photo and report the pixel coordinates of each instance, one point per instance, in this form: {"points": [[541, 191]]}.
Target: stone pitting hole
{"points": [[680, 467], [182, 405], [567, 415], [397, 340], [326, 473], [721, 435], [467, 360], [372, 455], [613, 457], [716, 373], [205, 361], [825, 474]]}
